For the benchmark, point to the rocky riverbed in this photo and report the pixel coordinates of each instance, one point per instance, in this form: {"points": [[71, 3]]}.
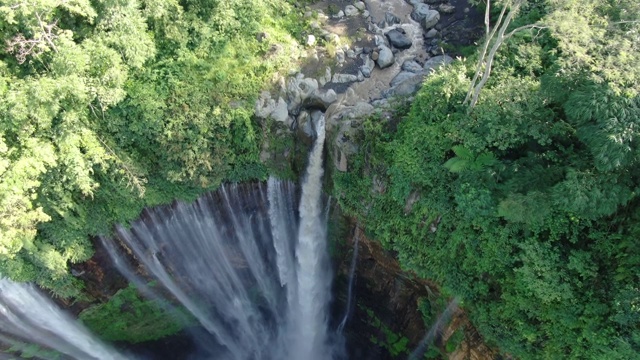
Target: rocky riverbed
{"points": [[359, 57]]}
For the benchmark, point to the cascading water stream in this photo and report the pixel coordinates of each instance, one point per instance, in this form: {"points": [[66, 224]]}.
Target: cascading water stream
{"points": [[314, 277], [27, 315], [352, 272], [435, 328], [253, 274]]}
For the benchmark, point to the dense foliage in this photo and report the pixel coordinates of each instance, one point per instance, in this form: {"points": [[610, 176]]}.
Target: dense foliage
{"points": [[129, 317], [525, 206], [109, 106]]}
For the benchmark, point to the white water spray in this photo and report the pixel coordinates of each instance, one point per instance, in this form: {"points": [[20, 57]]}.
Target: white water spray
{"points": [[314, 277], [251, 272], [27, 315]]}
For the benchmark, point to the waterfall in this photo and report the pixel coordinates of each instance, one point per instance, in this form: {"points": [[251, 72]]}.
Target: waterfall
{"points": [[314, 277], [253, 273], [28, 316], [352, 272], [435, 329]]}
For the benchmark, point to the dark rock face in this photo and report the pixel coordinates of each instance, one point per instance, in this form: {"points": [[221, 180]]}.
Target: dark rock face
{"points": [[383, 289], [398, 39]]}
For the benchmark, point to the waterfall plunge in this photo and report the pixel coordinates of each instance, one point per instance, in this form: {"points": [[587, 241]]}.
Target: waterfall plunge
{"points": [[28, 316], [240, 262]]}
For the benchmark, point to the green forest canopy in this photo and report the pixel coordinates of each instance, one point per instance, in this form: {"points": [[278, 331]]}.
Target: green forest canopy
{"points": [[109, 106], [525, 206]]}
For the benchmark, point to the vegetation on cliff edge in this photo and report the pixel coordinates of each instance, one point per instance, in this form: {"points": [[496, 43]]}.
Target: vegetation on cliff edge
{"points": [[525, 206]]}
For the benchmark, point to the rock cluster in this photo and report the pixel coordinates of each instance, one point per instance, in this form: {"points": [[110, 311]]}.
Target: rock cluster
{"points": [[302, 99]]}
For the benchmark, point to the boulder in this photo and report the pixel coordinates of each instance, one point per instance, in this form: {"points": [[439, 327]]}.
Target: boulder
{"points": [[311, 40], [406, 88], [280, 113], [398, 39], [323, 79], [340, 56], [350, 10], [320, 99], [420, 11], [298, 89], [368, 66], [264, 105], [411, 66], [389, 19], [435, 62], [401, 77], [431, 34], [447, 8], [304, 127], [385, 57], [431, 19], [360, 6], [344, 78]]}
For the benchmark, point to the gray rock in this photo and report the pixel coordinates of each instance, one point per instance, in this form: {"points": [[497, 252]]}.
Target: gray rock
{"points": [[431, 19], [365, 14], [326, 77], [321, 99], [305, 128], [408, 87], [315, 117], [420, 11], [398, 39], [311, 40], [350, 10], [280, 113], [264, 105], [411, 66], [360, 6], [344, 78], [368, 66], [339, 15], [431, 34], [447, 8], [380, 103], [391, 19], [436, 62], [360, 76], [385, 57], [375, 55], [340, 56], [298, 89], [401, 77], [351, 54]]}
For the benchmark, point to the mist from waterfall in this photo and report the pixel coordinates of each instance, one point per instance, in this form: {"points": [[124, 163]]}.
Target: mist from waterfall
{"points": [[27, 316], [250, 269]]}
